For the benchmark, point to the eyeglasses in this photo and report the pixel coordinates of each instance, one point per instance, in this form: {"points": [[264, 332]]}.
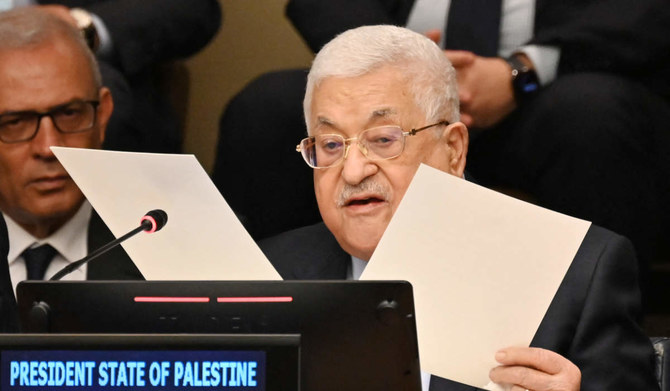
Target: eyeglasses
{"points": [[72, 117], [379, 143]]}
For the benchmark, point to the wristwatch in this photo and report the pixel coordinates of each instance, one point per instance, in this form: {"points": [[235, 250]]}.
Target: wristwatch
{"points": [[87, 27], [524, 79]]}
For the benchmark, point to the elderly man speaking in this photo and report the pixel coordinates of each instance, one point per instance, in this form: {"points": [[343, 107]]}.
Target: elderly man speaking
{"points": [[380, 100]]}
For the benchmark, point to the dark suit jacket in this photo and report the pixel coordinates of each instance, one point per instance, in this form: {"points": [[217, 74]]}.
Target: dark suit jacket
{"points": [[113, 265], [614, 36], [149, 31], [8, 318], [592, 320], [146, 34]]}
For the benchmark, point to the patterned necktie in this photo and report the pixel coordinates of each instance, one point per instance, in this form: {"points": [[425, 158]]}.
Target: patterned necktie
{"points": [[37, 260], [474, 25]]}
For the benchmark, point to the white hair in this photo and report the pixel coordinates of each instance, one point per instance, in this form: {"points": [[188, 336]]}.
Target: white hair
{"points": [[28, 27], [430, 76]]}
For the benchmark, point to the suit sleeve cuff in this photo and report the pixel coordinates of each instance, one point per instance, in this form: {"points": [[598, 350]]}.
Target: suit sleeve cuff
{"points": [[545, 61]]}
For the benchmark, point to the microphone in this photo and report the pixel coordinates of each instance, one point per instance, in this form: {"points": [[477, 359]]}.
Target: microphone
{"points": [[151, 222]]}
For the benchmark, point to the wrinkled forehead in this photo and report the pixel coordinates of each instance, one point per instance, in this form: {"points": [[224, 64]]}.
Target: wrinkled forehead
{"points": [[43, 76], [384, 115], [377, 98]]}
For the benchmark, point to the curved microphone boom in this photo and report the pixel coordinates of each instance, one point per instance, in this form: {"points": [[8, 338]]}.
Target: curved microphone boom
{"points": [[151, 222]]}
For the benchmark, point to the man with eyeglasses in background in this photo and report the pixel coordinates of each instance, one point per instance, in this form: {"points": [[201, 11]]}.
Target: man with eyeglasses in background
{"points": [[51, 95], [139, 46], [379, 101]]}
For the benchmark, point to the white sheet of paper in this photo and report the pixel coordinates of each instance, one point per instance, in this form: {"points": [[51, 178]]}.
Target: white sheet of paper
{"points": [[484, 268], [203, 239]]}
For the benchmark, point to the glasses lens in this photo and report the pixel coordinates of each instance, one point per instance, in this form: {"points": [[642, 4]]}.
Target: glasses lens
{"points": [[17, 127], [322, 151], [385, 142], [329, 149], [307, 151], [75, 117]]}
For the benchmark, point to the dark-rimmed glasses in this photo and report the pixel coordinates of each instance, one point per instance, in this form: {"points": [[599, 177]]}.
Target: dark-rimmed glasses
{"points": [[72, 117], [378, 143]]}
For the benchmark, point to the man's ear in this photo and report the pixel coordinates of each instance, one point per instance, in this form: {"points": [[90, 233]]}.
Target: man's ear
{"points": [[105, 109], [457, 139]]}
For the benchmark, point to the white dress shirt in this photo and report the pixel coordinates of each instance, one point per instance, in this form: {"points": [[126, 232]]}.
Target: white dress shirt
{"points": [[516, 28]]}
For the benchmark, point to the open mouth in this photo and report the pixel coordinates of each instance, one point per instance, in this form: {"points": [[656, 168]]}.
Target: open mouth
{"points": [[364, 201]]}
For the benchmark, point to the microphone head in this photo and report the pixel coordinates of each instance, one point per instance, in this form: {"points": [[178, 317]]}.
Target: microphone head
{"points": [[154, 220]]}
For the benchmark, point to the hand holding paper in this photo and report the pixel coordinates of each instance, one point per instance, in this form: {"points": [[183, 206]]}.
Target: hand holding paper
{"points": [[530, 369], [484, 268]]}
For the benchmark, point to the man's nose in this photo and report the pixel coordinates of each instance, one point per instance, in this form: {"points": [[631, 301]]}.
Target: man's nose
{"points": [[356, 166], [47, 136]]}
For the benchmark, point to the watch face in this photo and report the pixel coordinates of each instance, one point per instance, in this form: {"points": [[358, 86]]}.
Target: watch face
{"points": [[524, 79], [528, 82]]}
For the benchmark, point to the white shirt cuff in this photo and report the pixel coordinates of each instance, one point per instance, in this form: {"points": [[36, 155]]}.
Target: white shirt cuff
{"points": [[545, 60]]}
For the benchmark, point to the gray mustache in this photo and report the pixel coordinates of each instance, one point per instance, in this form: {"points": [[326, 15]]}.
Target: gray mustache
{"points": [[367, 186]]}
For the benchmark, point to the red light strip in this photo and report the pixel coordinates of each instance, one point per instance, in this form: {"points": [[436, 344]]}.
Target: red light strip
{"points": [[258, 299], [166, 299]]}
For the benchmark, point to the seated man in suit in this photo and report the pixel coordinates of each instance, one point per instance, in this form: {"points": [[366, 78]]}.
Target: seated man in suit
{"points": [[598, 120], [380, 100], [134, 41], [51, 95]]}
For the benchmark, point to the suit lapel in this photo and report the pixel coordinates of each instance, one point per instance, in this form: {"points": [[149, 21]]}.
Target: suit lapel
{"points": [[308, 253], [8, 310], [557, 329]]}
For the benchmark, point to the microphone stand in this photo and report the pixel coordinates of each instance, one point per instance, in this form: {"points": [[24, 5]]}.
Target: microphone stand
{"points": [[146, 225]]}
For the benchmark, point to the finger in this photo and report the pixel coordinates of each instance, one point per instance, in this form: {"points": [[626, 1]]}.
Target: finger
{"points": [[434, 35], [541, 359], [531, 379], [59, 11], [524, 378], [460, 58], [467, 120], [464, 97]]}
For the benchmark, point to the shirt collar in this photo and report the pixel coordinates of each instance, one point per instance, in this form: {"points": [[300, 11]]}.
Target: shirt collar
{"points": [[356, 268], [68, 239]]}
